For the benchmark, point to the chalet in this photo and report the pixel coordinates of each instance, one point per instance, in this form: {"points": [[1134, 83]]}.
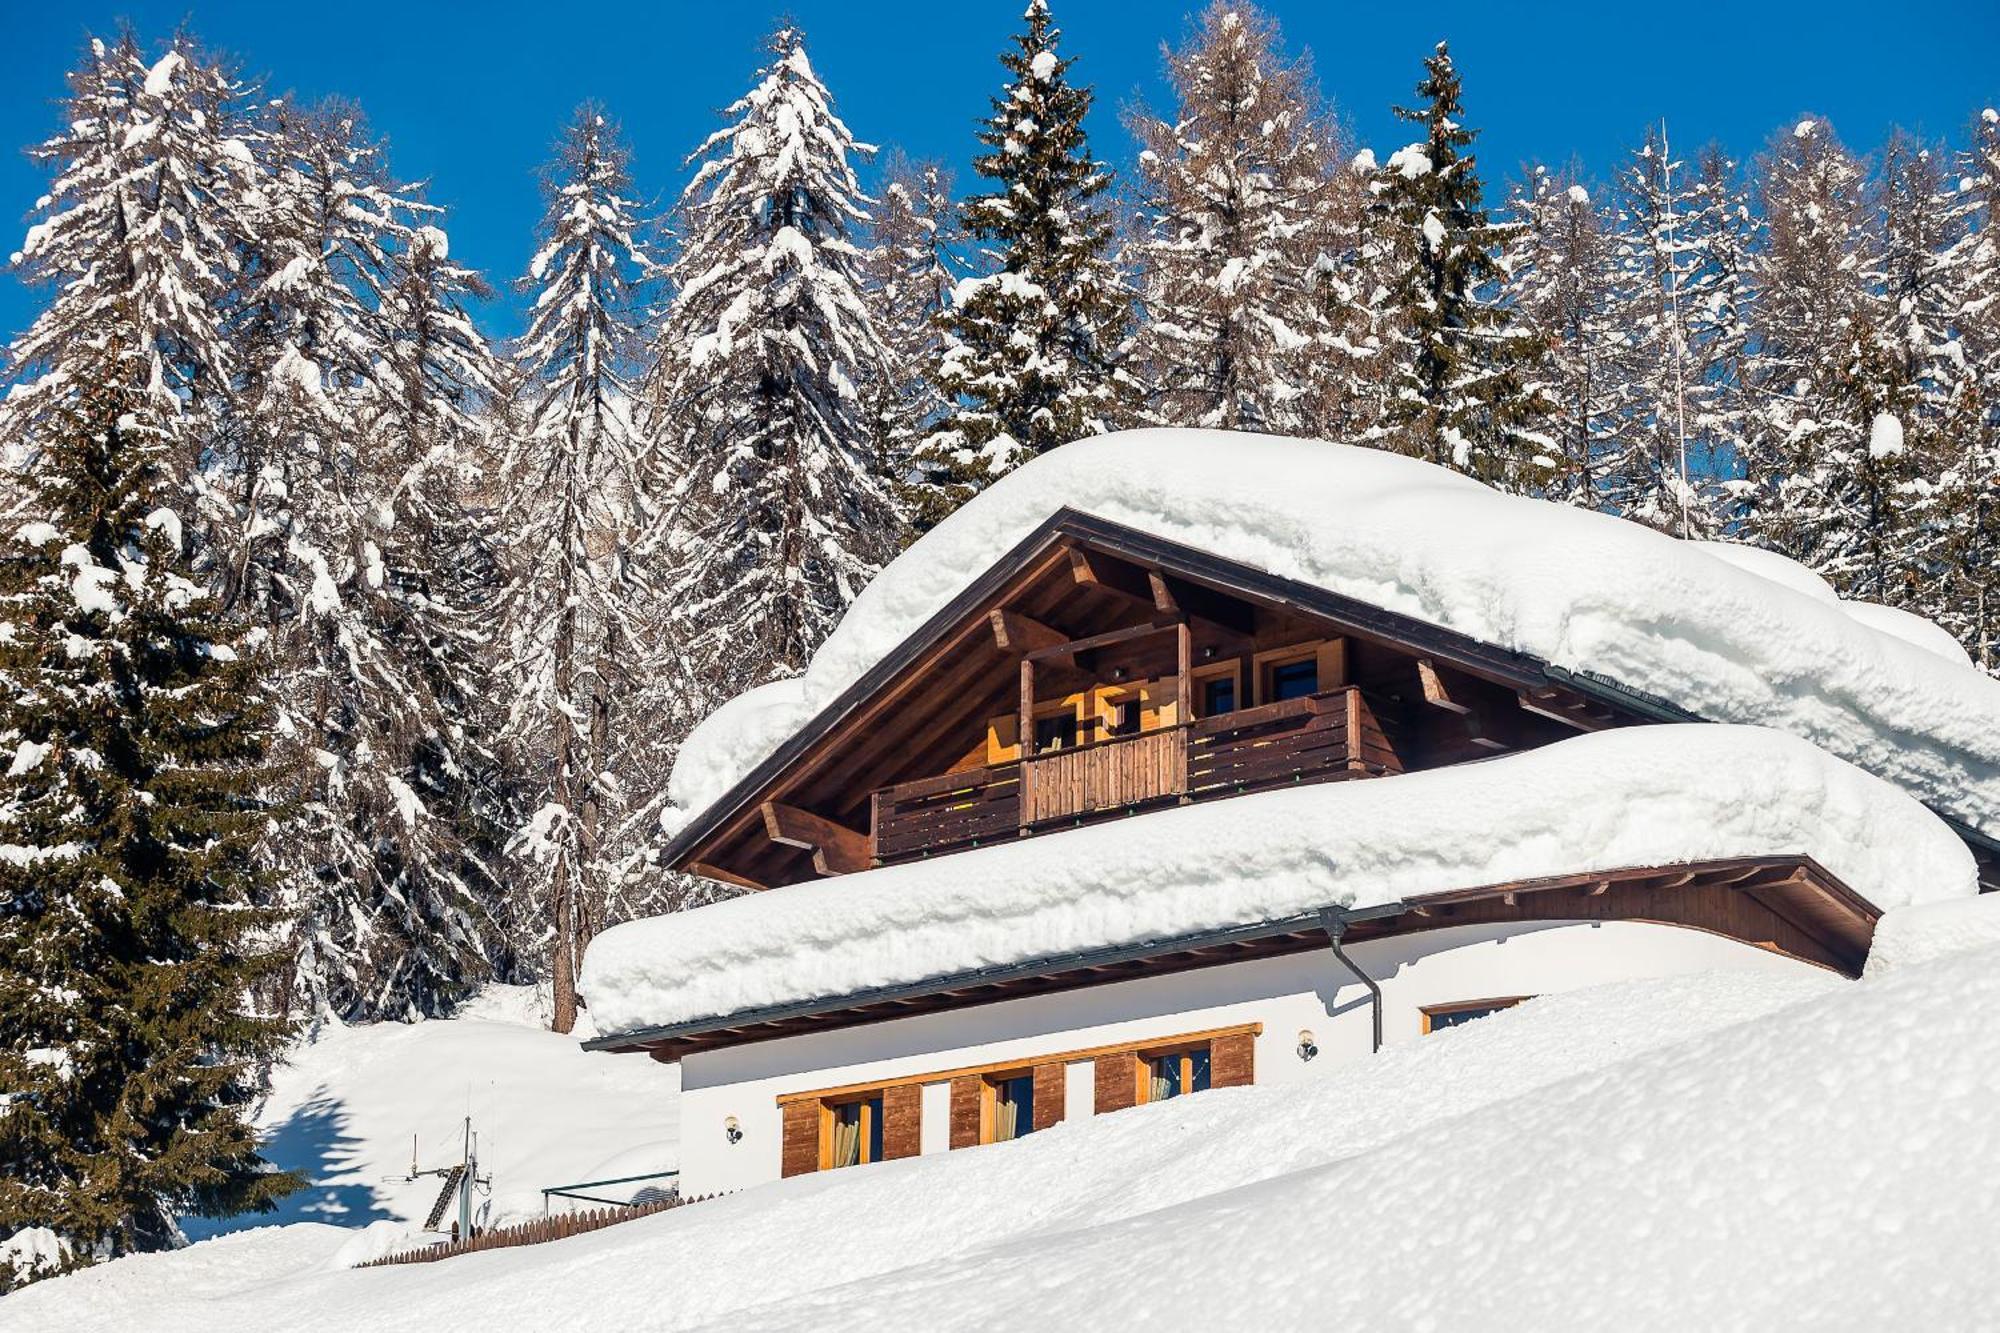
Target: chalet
{"points": [[1142, 801]]}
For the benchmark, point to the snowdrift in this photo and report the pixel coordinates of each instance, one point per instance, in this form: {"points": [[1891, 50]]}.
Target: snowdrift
{"points": [[1638, 796], [1735, 1150], [1731, 635]]}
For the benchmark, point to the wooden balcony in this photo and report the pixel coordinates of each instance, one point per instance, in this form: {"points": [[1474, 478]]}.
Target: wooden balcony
{"points": [[1325, 737]]}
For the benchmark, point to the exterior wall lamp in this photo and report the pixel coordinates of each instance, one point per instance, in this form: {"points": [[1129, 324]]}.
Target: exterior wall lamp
{"points": [[1308, 1048], [731, 1130]]}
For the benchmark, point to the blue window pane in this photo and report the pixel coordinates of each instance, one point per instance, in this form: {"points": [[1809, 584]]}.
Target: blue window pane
{"points": [[1198, 1071], [874, 1129], [1294, 680]]}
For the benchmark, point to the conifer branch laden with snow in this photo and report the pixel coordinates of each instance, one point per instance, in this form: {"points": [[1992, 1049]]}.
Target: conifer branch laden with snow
{"points": [[1031, 343], [781, 511]]}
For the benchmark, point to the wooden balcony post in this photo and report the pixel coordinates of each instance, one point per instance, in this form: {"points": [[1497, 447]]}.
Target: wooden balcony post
{"points": [[1025, 734]]}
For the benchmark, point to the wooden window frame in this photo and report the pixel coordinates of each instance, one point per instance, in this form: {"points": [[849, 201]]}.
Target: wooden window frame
{"points": [[989, 1100], [867, 1100], [1019, 1065], [1198, 679], [1498, 1002], [1142, 1066], [1330, 653]]}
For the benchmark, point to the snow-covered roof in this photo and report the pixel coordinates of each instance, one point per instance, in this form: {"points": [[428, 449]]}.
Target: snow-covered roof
{"points": [[1637, 796], [1728, 634]]}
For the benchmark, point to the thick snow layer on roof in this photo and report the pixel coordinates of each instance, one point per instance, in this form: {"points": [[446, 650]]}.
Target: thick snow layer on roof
{"points": [[1638, 796], [1731, 635], [1928, 931]]}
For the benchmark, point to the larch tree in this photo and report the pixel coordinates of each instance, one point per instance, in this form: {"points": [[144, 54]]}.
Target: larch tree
{"points": [[1030, 346], [1348, 285], [1230, 191], [571, 511], [137, 794], [336, 552], [909, 271], [1560, 286], [1455, 390], [781, 512]]}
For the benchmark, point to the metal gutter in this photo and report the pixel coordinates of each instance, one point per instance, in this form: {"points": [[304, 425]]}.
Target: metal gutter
{"points": [[1334, 921], [1040, 967]]}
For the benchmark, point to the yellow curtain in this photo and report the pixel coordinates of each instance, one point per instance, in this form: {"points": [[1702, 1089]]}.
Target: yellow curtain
{"points": [[1006, 1115], [1166, 1077]]}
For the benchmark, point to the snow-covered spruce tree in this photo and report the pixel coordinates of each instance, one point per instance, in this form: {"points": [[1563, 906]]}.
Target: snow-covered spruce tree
{"points": [[1229, 194], [137, 234], [781, 514], [1456, 394], [1966, 514], [1347, 284], [1030, 345], [1560, 287], [130, 812], [1673, 306], [337, 549], [910, 269], [1827, 457], [570, 514]]}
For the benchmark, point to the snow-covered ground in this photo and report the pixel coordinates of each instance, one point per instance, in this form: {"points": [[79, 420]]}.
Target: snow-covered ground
{"points": [[1718, 1151], [345, 1109]]}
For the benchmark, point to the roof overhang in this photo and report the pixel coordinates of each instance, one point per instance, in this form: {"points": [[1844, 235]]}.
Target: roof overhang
{"points": [[1788, 904]]}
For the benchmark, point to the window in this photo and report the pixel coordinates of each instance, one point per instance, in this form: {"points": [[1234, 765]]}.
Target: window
{"points": [[1013, 1107], [1055, 733], [857, 1132], [1125, 718], [1294, 680], [1176, 1072], [1440, 1016], [1218, 696]]}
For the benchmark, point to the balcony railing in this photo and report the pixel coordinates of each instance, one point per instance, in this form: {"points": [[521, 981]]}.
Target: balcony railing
{"points": [[1319, 738]]}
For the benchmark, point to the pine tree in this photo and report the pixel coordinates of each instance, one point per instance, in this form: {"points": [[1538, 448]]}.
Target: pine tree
{"points": [[909, 270], [1674, 308], [1456, 395], [1230, 192], [1030, 346], [1966, 511], [1348, 286], [145, 209], [1831, 477], [340, 548], [1561, 284], [571, 513], [130, 813], [782, 513]]}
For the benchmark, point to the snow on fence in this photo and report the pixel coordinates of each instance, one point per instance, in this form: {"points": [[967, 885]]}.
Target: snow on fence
{"points": [[554, 1227]]}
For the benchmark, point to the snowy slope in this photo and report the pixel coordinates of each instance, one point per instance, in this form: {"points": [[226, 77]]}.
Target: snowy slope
{"points": [[345, 1108], [1636, 796], [1733, 639], [1720, 1151]]}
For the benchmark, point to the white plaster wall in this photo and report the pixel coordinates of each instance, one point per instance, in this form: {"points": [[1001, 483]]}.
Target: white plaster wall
{"points": [[1308, 991]]}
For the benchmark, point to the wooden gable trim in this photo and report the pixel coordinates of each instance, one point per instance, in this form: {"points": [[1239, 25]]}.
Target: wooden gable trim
{"points": [[836, 849]]}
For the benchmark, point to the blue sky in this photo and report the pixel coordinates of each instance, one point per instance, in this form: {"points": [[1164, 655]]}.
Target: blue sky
{"points": [[471, 96]]}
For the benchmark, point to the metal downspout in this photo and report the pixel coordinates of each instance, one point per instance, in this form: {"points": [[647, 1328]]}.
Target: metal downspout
{"points": [[1334, 922]]}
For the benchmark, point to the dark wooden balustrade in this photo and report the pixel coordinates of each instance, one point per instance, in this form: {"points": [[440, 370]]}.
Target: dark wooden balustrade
{"points": [[1312, 739]]}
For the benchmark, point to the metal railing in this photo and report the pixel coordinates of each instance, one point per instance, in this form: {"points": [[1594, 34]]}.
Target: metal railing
{"points": [[572, 1191]]}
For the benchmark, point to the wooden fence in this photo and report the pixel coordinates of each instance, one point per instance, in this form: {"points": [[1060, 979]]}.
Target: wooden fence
{"points": [[555, 1227]]}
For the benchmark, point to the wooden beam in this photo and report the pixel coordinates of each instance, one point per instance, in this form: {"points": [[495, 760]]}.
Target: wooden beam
{"points": [[707, 871], [1109, 574], [1020, 634], [1559, 706], [1435, 693], [836, 848], [1070, 648]]}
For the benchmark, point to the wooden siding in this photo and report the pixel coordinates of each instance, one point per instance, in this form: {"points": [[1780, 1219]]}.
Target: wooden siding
{"points": [[967, 1105], [1232, 1061], [801, 1138], [1117, 1081], [1051, 1090], [902, 1121]]}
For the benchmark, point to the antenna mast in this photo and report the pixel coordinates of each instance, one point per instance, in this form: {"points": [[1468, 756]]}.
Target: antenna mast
{"points": [[1674, 316]]}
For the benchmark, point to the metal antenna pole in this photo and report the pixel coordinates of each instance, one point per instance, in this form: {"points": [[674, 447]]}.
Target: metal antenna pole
{"points": [[465, 1186], [1674, 315]]}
